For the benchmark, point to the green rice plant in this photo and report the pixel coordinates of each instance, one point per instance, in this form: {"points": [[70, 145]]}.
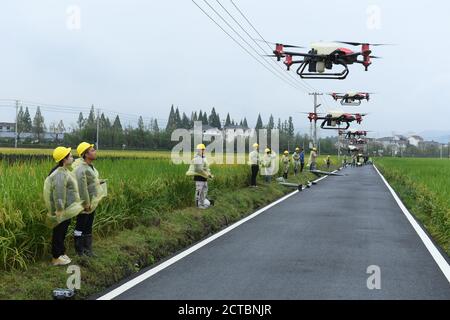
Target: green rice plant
{"points": [[424, 186]]}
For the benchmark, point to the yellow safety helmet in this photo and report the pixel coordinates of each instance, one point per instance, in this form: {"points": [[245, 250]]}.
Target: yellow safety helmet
{"points": [[297, 149], [286, 152], [201, 146], [60, 153], [83, 147], [255, 145], [267, 150], [314, 149]]}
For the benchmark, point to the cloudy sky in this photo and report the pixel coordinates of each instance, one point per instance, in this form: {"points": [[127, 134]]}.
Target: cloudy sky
{"points": [[139, 57]]}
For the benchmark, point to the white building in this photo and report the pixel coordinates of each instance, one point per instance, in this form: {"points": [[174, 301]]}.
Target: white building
{"points": [[7, 127]]}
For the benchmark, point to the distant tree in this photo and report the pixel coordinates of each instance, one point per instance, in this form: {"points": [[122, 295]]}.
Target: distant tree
{"points": [[245, 124], [38, 124], [290, 128], [27, 123], [271, 123], [185, 123], [214, 119], [178, 123], [116, 133], [80, 121], [259, 123], [205, 118], [155, 126], [228, 120], [171, 122]]}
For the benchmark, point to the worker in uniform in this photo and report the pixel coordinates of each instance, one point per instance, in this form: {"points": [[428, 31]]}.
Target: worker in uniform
{"points": [[266, 164], [92, 190], [254, 164], [313, 159], [62, 202], [302, 159], [328, 162], [285, 162], [296, 160], [199, 169]]}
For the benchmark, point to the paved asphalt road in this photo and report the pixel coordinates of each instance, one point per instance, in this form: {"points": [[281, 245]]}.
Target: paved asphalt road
{"points": [[317, 244]]}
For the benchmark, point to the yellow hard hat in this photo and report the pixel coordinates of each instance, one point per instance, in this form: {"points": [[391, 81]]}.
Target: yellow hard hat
{"points": [[201, 146], [297, 149], [82, 147], [314, 149], [286, 152], [255, 145], [267, 150], [60, 153]]}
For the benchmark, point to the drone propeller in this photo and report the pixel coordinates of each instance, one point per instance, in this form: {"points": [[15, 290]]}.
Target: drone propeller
{"points": [[292, 46], [284, 45], [362, 43]]}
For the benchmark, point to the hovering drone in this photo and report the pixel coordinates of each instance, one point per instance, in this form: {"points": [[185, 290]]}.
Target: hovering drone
{"points": [[323, 56], [351, 98], [353, 148], [334, 119], [353, 134]]}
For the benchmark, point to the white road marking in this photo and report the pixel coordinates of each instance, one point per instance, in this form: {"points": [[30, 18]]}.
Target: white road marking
{"points": [[435, 253], [149, 273]]}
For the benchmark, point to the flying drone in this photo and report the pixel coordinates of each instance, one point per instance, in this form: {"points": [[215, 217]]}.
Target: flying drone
{"points": [[351, 98], [334, 119], [353, 134], [323, 56]]}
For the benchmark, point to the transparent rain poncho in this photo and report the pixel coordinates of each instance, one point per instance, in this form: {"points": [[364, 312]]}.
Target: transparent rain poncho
{"points": [[199, 167], [91, 190], [61, 194]]}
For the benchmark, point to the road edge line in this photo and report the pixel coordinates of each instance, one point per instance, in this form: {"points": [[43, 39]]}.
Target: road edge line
{"points": [[435, 253]]}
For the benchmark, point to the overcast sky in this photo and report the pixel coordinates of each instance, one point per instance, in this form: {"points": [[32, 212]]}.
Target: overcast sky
{"points": [[139, 57]]}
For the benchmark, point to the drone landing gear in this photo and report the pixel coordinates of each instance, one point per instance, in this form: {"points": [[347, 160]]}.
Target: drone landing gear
{"points": [[332, 125], [316, 75]]}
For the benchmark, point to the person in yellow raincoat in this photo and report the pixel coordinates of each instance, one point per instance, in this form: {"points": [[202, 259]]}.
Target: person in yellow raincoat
{"points": [[266, 165], [199, 169], [254, 162], [285, 162], [92, 190], [62, 201]]}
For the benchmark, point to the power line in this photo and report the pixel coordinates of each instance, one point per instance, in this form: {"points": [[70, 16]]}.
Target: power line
{"points": [[240, 45], [286, 75], [264, 40]]}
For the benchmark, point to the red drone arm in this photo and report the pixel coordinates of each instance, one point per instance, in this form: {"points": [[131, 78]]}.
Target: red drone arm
{"points": [[312, 116], [288, 61], [366, 54]]}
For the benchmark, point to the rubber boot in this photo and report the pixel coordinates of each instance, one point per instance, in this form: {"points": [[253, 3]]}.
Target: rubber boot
{"points": [[88, 245], [79, 245]]}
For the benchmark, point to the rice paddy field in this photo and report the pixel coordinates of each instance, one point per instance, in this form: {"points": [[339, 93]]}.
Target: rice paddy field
{"points": [[142, 187], [139, 190], [424, 186]]}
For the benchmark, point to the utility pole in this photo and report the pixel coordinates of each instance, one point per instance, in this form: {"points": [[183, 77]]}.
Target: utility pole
{"points": [[98, 127], [17, 115], [316, 106]]}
